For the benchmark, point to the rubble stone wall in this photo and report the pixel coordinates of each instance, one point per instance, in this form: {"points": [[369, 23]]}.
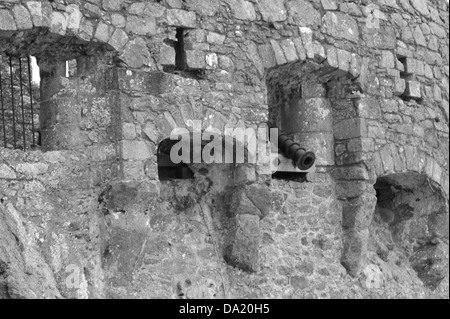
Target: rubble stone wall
{"points": [[362, 84]]}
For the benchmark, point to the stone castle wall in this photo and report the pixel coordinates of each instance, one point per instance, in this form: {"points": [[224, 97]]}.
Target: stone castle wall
{"points": [[362, 84]]}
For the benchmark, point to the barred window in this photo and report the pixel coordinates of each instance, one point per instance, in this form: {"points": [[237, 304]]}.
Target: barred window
{"points": [[19, 103]]}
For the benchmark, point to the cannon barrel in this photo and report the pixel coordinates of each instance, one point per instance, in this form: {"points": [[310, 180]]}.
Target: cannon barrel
{"points": [[303, 159]]}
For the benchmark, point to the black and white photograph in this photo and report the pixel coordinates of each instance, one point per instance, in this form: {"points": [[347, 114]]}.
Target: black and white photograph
{"points": [[228, 158]]}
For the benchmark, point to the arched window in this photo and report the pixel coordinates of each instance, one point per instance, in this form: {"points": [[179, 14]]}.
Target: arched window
{"points": [[39, 96]]}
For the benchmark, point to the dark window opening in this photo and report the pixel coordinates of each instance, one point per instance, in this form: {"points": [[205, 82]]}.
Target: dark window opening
{"points": [[291, 176], [19, 103], [180, 53], [167, 169], [411, 223]]}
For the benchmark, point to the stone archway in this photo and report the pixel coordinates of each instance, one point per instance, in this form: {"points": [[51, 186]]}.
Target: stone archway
{"points": [[402, 167], [230, 198], [212, 219], [344, 145], [38, 18], [79, 112], [79, 120], [411, 224], [320, 101]]}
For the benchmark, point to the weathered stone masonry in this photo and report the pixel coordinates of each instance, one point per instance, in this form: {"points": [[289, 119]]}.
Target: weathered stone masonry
{"points": [[366, 90]]}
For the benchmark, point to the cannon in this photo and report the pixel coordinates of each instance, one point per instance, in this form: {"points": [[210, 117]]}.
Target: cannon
{"points": [[300, 157]]}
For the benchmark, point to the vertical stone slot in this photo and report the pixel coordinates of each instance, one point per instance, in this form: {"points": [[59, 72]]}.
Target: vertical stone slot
{"points": [[71, 68], [182, 66], [408, 69], [180, 53]]}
